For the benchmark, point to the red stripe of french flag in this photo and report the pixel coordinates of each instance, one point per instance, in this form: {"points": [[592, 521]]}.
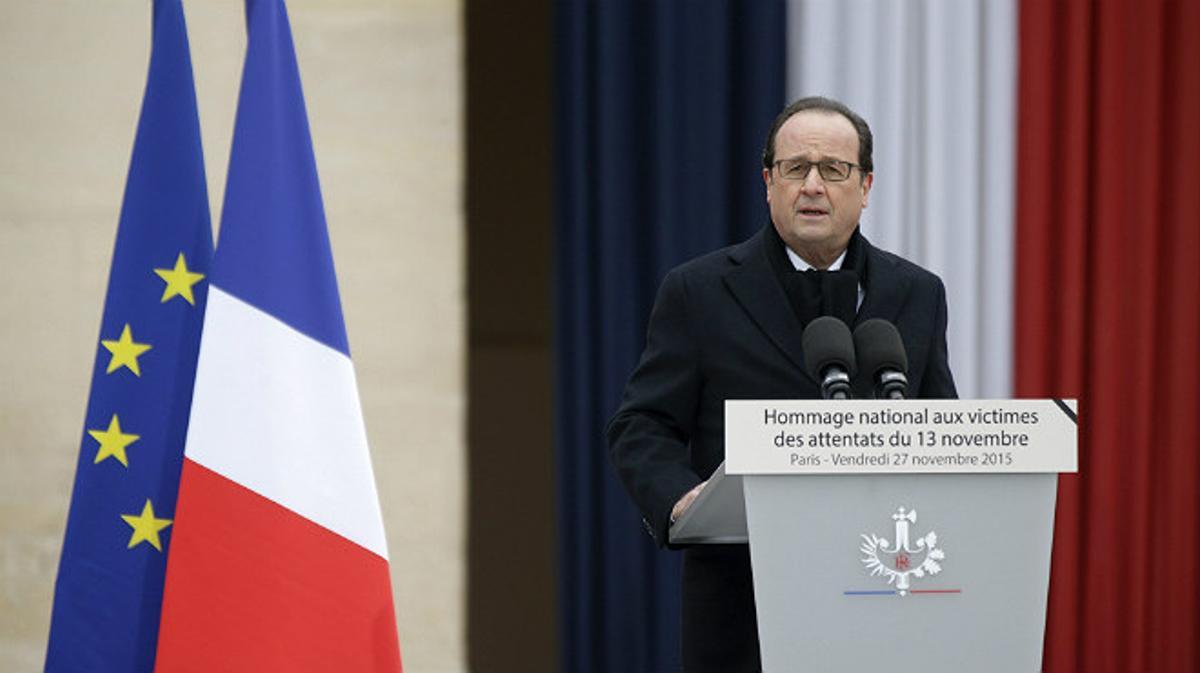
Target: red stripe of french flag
{"points": [[269, 590]]}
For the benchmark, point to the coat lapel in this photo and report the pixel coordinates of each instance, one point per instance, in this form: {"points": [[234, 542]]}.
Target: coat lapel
{"points": [[887, 288], [756, 289]]}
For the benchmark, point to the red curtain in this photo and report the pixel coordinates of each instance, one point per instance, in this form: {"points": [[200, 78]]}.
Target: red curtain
{"points": [[1108, 310]]}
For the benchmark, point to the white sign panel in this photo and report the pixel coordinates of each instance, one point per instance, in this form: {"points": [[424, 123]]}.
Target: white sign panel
{"points": [[900, 436]]}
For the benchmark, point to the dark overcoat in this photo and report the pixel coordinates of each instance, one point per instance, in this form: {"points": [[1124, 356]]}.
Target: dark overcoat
{"points": [[721, 329]]}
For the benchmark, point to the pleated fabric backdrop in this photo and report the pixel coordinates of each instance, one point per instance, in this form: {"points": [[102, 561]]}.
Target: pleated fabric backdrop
{"points": [[662, 109], [1108, 309], [936, 80], [1042, 157]]}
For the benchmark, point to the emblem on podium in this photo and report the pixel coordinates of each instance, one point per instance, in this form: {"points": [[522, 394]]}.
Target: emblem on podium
{"points": [[903, 559]]}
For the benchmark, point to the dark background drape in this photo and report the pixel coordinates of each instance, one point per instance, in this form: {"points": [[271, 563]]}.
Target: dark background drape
{"points": [[1108, 310], [661, 110]]}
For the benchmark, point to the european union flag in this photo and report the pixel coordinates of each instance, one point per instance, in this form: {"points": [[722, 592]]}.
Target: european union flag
{"points": [[110, 578]]}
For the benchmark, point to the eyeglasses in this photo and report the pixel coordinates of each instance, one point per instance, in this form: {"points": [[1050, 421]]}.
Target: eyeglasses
{"points": [[831, 170]]}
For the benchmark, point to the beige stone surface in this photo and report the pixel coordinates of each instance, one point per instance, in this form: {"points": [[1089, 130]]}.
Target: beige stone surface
{"points": [[383, 85]]}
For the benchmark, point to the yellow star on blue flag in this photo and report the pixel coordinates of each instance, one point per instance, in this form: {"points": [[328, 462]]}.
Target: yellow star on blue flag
{"points": [[113, 442], [124, 352], [146, 527], [179, 281]]}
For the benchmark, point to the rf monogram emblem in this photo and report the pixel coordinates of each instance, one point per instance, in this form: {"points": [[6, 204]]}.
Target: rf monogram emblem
{"points": [[904, 560]]}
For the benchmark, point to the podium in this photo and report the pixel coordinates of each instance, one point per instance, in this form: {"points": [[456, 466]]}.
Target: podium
{"points": [[930, 555]]}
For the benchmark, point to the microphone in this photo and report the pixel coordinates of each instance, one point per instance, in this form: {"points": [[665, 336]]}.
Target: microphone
{"points": [[829, 356], [881, 352]]}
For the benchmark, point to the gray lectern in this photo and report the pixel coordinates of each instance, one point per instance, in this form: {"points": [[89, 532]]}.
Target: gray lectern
{"points": [[931, 555]]}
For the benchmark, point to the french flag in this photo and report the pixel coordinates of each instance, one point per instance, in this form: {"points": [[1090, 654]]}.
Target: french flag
{"points": [[278, 559]]}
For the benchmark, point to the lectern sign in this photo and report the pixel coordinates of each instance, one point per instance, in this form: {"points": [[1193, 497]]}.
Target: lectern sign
{"points": [[907, 436]]}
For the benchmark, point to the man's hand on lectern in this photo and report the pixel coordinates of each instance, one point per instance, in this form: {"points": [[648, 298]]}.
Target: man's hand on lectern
{"points": [[685, 502]]}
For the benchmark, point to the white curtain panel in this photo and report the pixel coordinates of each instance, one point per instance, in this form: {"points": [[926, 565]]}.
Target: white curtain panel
{"points": [[936, 79]]}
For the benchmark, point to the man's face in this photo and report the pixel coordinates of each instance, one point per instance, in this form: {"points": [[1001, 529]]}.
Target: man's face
{"points": [[813, 216]]}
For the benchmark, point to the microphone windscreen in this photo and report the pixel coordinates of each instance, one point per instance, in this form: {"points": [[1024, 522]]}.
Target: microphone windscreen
{"points": [[879, 346], [827, 341]]}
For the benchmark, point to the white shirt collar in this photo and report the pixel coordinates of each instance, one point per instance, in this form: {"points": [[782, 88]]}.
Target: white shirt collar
{"points": [[800, 265]]}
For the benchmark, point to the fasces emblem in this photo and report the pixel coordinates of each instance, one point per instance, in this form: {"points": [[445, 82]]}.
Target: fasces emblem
{"points": [[903, 559]]}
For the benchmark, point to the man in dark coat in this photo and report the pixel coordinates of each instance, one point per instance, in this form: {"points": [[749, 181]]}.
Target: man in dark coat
{"points": [[728, 325]]}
